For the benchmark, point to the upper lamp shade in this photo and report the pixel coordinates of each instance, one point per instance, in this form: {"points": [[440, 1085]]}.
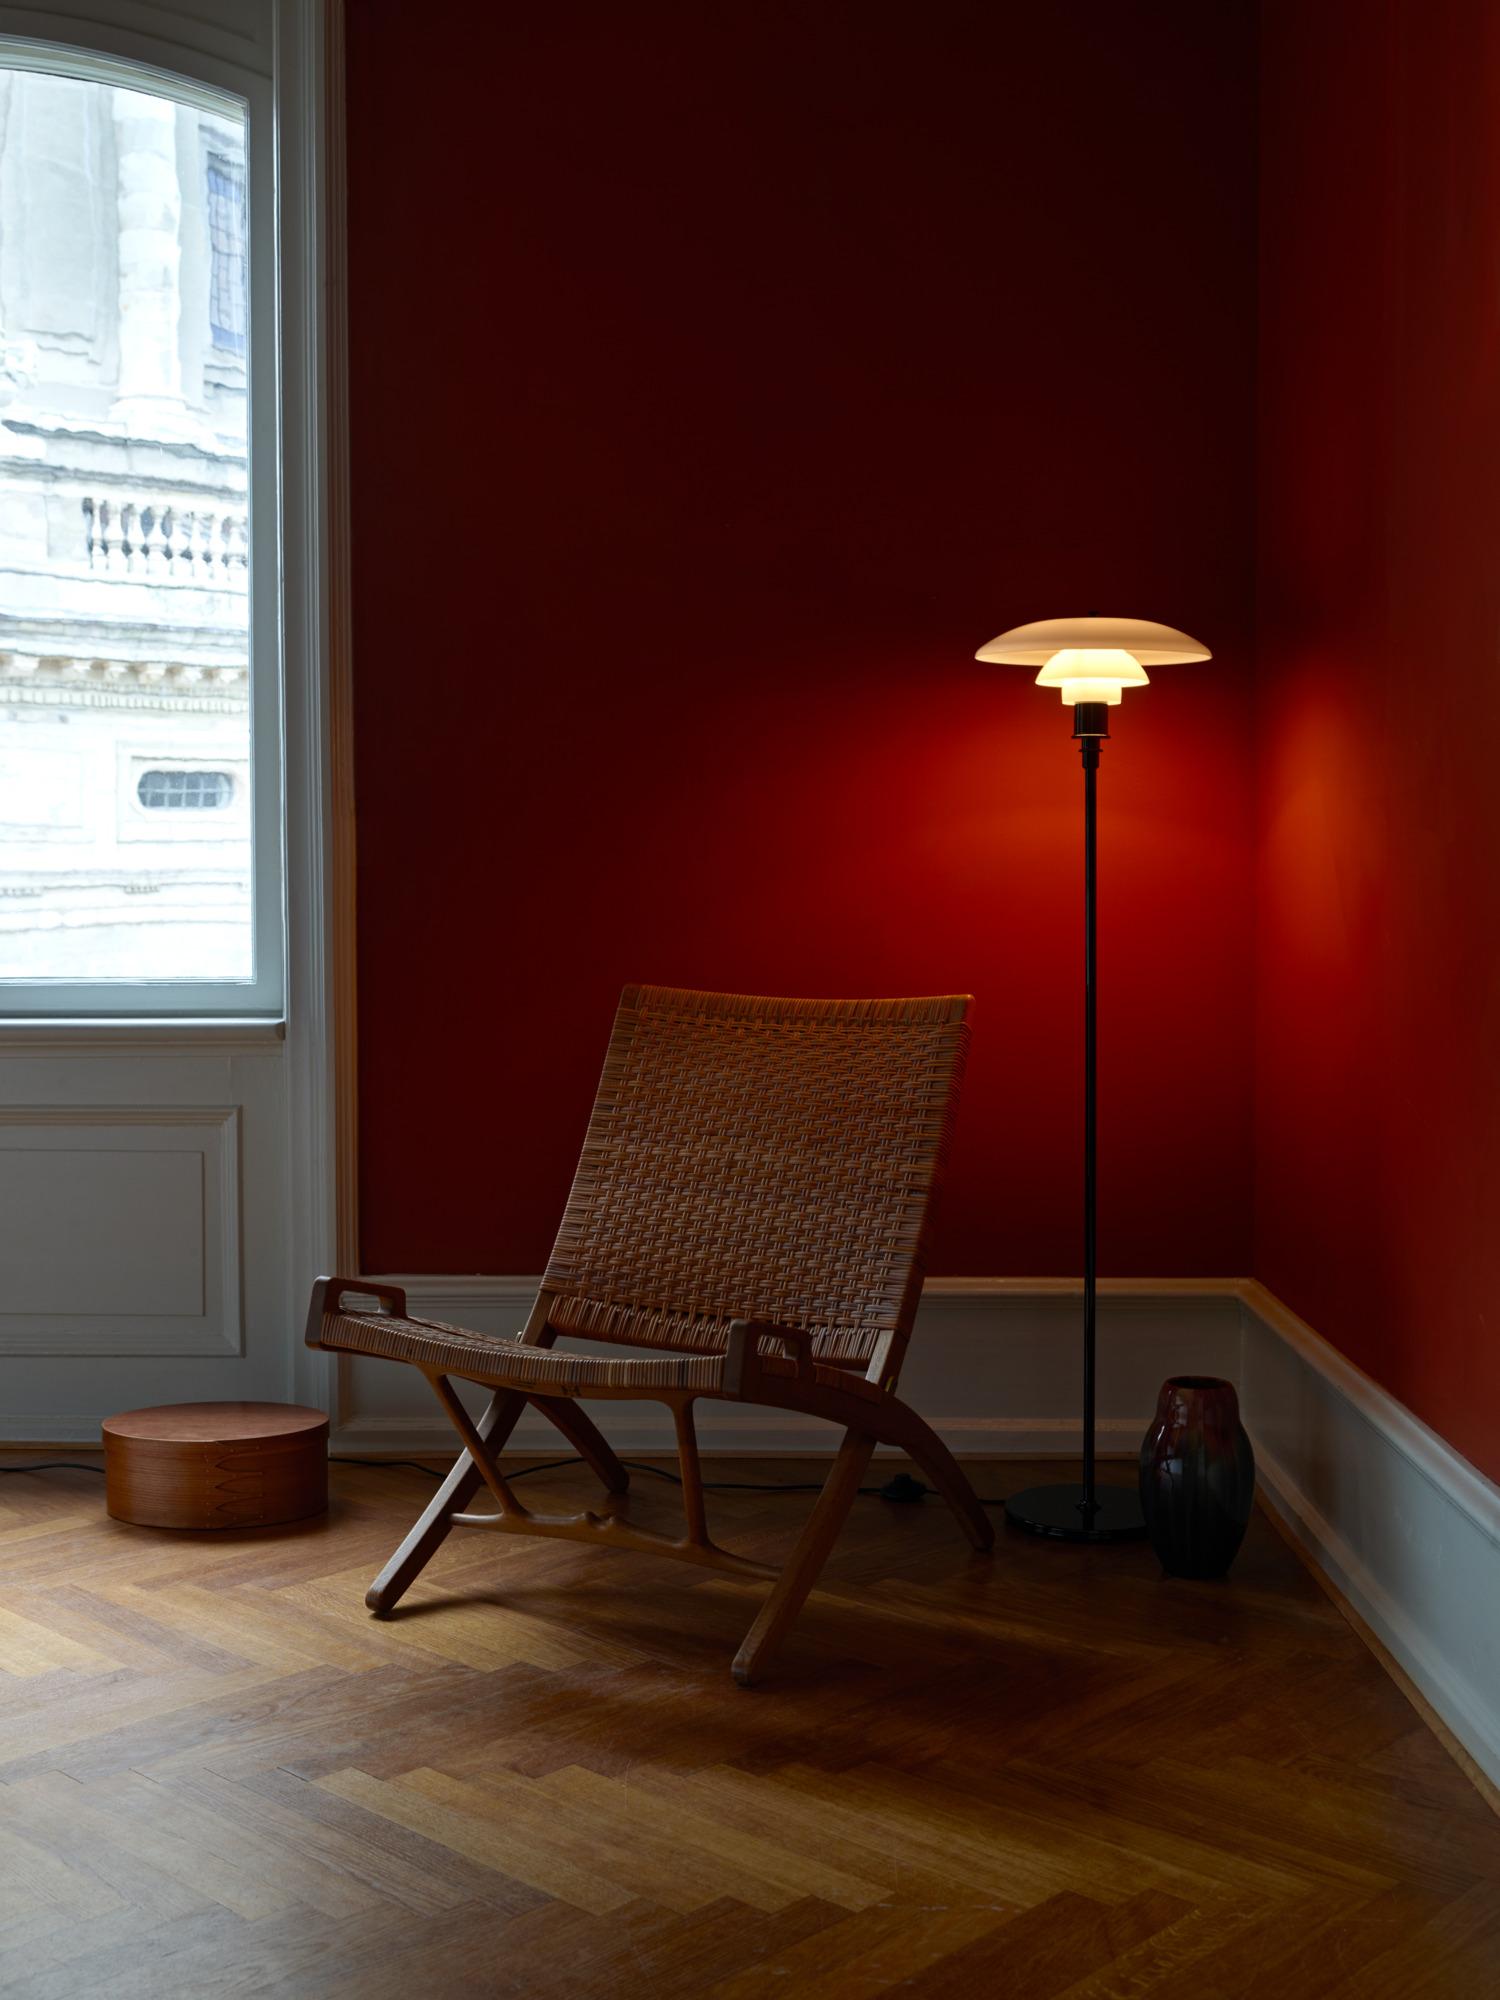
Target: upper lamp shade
{"points": [[1092, 659]]}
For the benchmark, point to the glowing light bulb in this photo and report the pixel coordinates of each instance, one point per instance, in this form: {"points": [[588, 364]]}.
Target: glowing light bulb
{"points": [[1092, 674]]}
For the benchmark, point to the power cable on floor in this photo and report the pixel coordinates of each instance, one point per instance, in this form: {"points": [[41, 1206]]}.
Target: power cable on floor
{"points": [[54, 1465], [901, 1488]]}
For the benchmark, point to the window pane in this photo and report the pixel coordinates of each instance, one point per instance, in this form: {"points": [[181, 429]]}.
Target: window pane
{"points": [[125, 822], [228, 270], [197, 790]]}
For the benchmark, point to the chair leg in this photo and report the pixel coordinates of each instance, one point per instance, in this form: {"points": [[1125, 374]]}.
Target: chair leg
{"points": [[452, 1497], [586, 1439], [926, 1449], [690, 1470], [789, 1592]]}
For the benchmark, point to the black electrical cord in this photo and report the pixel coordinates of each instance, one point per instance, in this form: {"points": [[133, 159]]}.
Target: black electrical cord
{"points": [[54, 1465], [901, 1487], [630, 1465]]}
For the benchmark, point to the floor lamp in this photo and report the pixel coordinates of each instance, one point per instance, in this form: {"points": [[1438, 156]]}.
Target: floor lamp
{"points": [[1092, 661]]}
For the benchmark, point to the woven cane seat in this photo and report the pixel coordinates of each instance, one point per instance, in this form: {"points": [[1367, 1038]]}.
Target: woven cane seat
{"points": [[507, 1364]]}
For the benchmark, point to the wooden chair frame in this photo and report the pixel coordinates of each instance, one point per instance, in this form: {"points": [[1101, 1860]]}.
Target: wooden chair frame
{"points": [[770, 1363]]}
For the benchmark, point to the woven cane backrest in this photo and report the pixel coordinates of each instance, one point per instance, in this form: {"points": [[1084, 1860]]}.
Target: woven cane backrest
{"points": [[759, 1159]]}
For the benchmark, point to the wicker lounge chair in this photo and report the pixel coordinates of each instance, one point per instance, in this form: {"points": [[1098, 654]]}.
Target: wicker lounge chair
{"points": [[751, 1207]]}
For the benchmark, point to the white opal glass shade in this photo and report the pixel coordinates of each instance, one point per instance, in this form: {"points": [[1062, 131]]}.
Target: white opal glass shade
{"points": [[1092, 659]]}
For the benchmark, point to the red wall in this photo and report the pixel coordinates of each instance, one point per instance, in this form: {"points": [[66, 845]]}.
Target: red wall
{"points": [[722, 376], [1378, 1099]]}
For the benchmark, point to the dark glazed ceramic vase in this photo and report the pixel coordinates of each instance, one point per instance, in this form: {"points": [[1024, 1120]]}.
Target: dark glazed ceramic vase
{"points": [[1197, 1476]]}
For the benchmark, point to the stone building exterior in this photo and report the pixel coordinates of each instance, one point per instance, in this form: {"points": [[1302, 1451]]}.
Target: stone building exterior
{"points": [[125, 847]]}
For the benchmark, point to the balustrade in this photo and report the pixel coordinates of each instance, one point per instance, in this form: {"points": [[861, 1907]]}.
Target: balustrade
{"points": [[161, 541]]}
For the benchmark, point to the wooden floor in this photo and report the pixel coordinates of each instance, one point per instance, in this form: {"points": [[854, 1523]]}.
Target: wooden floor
{"points": [[1050, 1773]]}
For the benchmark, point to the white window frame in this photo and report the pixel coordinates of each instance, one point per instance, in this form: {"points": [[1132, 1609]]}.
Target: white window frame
{"points": [[215, 87], [292, 49]]}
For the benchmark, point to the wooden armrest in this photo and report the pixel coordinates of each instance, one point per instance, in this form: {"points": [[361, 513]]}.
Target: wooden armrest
{"points": [[328, 1296], [742, 1355]]}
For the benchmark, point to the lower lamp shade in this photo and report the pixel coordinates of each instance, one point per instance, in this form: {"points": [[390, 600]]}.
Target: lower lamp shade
{"points": [[1197, 1476], [216, 1465]]}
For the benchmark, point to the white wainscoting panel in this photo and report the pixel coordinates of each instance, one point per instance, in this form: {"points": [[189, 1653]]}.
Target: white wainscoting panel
{"points": [[121, 1231]]}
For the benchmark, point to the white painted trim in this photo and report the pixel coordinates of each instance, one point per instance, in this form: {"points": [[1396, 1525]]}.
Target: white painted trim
{"points": [[59, 1037], [222, 42], [82, 1431], [218, 1329], [1406, 1530], [319, 968], [1404, 1527], [340, 851], [120, 41], [1459, 1483]]}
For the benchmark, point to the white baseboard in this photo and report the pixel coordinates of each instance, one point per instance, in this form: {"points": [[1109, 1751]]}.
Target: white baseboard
{"points": [[1406, 1529], [24, 1432]]}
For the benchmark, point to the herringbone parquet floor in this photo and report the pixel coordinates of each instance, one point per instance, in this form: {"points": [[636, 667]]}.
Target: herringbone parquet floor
{"points": [[1047, 1774]]}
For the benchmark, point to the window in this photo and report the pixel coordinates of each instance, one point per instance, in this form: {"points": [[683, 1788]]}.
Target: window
{"points": [[227, 253], [139, 605], [185, 791]]}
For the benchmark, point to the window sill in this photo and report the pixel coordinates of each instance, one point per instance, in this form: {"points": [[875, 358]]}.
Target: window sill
{"points": [[61, 1035]]}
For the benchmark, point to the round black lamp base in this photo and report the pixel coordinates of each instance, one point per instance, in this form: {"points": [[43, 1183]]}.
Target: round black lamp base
{"points": [[1058, 1511]]}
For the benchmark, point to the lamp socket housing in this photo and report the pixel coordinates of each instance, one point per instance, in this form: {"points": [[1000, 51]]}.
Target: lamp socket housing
{"points": [[1091, 718]]}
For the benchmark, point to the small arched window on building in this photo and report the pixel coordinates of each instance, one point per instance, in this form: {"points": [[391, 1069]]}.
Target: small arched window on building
{"points": [[185, 791]]}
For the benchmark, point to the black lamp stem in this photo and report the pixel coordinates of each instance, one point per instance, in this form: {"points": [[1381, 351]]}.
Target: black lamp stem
{"points": [[1090, 1512], [1090, 748]]}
